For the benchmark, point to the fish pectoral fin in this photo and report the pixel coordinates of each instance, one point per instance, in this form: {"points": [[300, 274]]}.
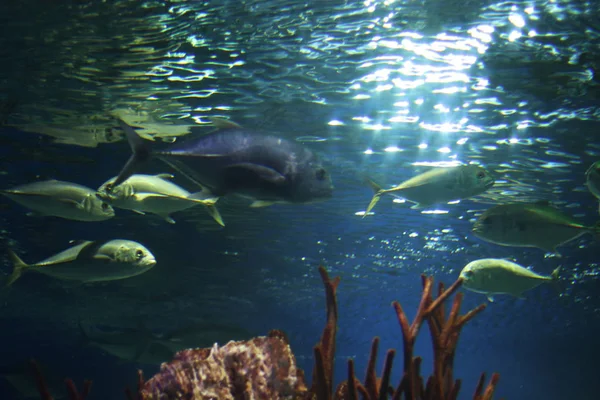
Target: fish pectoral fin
{"points": [[266, 173], [146, 196], [139, 212], [261, 203], [73, 203], [167, 218], [419, 206], [35, 214], [165, 176], [102, 257]]}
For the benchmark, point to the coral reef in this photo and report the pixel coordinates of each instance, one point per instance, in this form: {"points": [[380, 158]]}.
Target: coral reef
{"points": [[260, 368], [265, 367]]}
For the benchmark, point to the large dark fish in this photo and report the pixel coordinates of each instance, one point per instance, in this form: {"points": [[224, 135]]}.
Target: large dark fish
{"points": [[235, 160]]}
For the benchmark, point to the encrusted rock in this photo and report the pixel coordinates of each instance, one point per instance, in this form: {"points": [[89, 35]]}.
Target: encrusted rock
{"points": [[260, 368]]}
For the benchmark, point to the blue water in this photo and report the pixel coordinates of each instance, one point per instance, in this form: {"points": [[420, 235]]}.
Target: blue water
{"points": [[377, 88]]}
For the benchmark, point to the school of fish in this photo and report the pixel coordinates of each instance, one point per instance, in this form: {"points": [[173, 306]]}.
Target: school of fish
{"points": [[266, 169]]}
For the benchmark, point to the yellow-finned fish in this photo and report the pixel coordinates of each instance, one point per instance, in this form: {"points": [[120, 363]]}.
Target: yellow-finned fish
{"points": [[530, 225], [61, 199], [90, 261], [156, 194], [592, 180], [438, 185], [492, 276]]}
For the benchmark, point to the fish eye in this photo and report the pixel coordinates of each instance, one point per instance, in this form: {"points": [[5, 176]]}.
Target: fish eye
{"points": [[139, 254], [468, 274], [320, 174], [480, 174], [104, 206], [108, 187]]}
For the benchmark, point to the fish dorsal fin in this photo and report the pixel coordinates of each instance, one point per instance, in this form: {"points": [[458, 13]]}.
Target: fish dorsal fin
{"points": [[222, 123], [77, 242], [165, 176]]}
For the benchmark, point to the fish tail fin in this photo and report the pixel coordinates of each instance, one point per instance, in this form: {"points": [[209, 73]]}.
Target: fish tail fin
{"points": [[18, 267], [141, 153], [555, 281], [374, 201], [215, 214], [374, 185], [378, 192]]}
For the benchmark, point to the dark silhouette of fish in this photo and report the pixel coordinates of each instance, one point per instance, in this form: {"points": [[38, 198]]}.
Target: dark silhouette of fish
{"points": [[235, 160]]}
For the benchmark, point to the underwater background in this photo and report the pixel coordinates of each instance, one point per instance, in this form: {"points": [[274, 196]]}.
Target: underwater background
{"points": [[379, 89]]}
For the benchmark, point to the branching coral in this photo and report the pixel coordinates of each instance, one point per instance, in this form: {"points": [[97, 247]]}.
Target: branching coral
{"points": [[444, 333], [265, 367]]}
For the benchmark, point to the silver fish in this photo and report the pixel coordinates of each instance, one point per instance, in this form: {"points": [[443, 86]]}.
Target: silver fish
{"points": [[529, 225], [438, 185], [492, 276], [155, 194], [61, 199], [592, 180], [90, 261]]}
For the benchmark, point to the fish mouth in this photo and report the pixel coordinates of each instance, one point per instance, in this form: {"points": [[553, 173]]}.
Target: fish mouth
{"points": [[150, 262]]}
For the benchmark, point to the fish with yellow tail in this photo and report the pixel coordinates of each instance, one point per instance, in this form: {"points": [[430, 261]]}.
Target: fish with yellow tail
{"points": [[156, 194], [438, 185], [90, 261], [492, 276], [592, 180], [530, 225]]}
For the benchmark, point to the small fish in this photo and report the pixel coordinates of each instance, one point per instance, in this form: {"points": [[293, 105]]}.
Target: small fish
{"points": [[61, 199], [90, 261], [592, 180], [239, 161], [530, 225], [492, 276], [155, 194], [438, 185]]}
